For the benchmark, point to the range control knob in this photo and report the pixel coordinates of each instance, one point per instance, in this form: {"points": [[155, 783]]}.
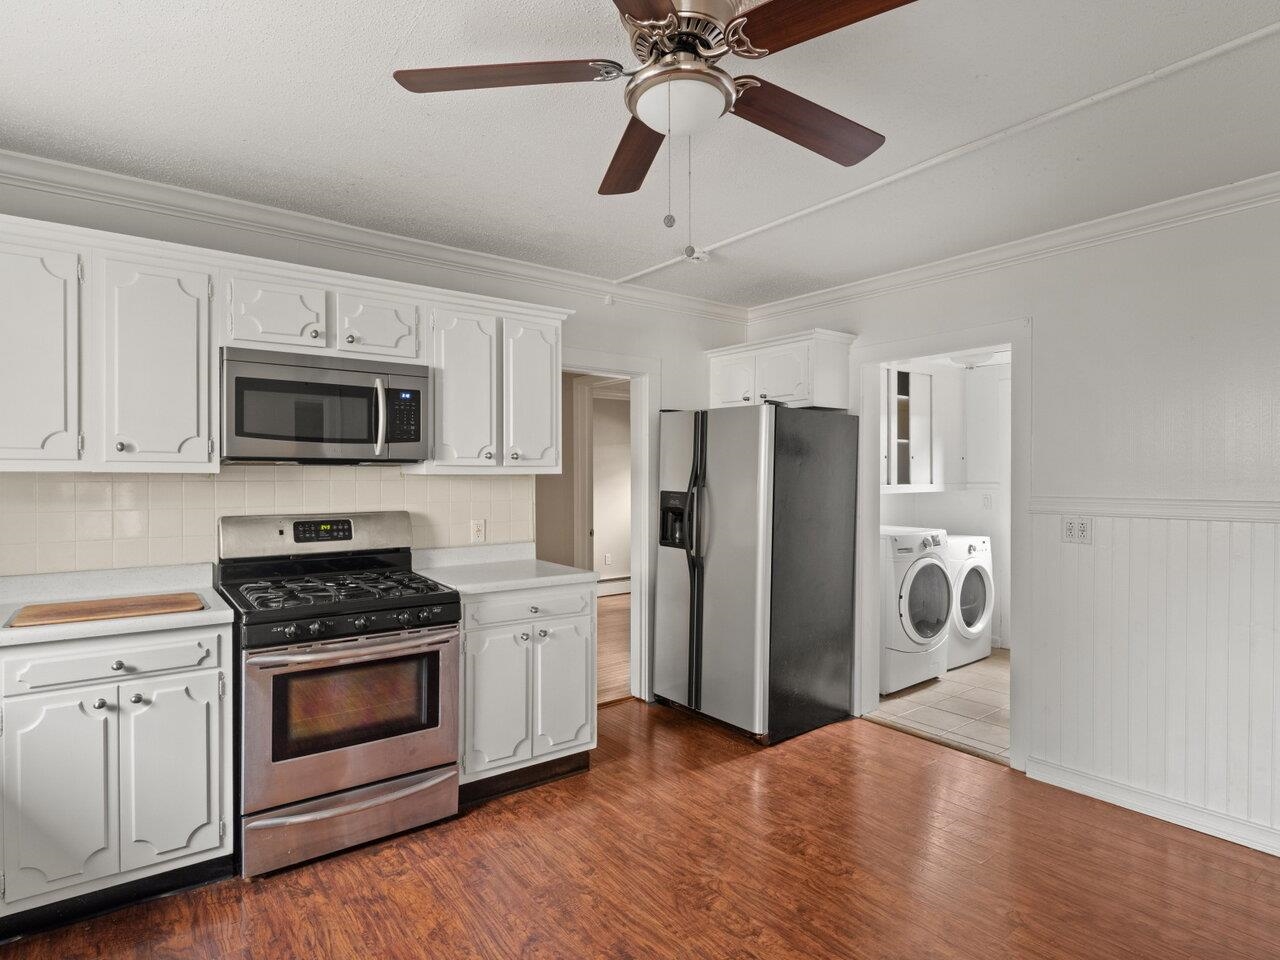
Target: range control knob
{"points": [[315, 628], [291, 631], [359, 623], [424, 614], [405, 617]]}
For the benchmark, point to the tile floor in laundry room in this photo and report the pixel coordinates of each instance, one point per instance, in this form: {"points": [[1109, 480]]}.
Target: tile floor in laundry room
{"points": [[968, 709]]}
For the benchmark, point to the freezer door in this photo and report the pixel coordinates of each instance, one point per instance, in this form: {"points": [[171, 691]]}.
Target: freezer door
{"points": [[737, 524], [673, 613]]}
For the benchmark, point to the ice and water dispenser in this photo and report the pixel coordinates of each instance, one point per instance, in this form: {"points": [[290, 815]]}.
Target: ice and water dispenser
{"points": [[674, 529]]}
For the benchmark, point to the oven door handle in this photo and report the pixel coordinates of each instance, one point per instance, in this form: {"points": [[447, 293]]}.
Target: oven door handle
{"points": [[350, 655], [381, 391], [350, 808]]}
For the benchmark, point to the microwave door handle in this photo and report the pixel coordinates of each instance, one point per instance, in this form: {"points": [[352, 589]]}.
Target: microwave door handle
{"points": [[381, 442]]}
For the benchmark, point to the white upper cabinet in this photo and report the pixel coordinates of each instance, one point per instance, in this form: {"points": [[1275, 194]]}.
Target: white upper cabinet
{"points": [[155, 362], [733, 381], [466, 351], [782, 374], [170, 754], [39, 360], [276, 310], [384, 326], [531, 393], [803, 370], [61, 819]]}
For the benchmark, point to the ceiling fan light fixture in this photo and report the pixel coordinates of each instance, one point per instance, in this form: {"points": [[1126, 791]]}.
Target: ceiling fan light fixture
{"points": [[680, 95]]}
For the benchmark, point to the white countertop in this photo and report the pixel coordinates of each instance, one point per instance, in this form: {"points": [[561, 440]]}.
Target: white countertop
{"points": [[500, 575], [17, 592]]}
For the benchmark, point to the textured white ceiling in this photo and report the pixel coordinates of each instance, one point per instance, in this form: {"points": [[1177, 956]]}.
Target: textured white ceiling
{"points": [[290, 103]]}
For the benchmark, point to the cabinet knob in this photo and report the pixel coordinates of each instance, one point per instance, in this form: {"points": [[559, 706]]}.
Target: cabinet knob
{"points": [[524, 636], [351, 338], [119, 446], [117, 664], [488, 456], [515, 455], [764, 396], [99, 704], [544, 632], [746, 397], [533, 609], [315, 334], [136, 698]]}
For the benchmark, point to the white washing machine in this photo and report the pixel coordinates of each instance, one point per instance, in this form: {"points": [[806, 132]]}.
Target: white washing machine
{"points": [[973, 587], [916, 616]]}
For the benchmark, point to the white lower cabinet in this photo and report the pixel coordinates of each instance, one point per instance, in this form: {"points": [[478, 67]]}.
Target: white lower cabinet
{"points": [[528, 687], [104, 783]]}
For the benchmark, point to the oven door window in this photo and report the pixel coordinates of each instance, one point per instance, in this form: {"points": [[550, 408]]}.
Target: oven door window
{"points": [[305, 412], [334, 707]]}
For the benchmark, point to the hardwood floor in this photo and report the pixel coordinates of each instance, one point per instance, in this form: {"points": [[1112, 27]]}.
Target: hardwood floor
{"points": [[613, 648], [685, 841]]}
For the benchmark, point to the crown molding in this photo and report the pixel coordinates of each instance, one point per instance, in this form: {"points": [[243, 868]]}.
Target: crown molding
{"points": [[54, 177], [1216, 202]]}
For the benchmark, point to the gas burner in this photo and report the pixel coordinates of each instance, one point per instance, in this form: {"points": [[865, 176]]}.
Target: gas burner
{"points": [[334, 588]]}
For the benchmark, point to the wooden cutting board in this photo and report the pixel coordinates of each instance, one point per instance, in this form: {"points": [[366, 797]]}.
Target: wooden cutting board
{"points": [[41, 614]]}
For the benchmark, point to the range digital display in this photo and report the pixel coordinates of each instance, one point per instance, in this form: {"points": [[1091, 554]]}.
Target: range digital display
{"points": [[318, 531]]}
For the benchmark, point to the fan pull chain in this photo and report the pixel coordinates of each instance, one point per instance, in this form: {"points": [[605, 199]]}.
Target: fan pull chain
{"points": [[670, 219], [689, 250]]}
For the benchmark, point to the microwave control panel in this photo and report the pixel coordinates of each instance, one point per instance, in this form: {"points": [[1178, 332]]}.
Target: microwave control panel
{"points": [[404, 416], [318, 531]]}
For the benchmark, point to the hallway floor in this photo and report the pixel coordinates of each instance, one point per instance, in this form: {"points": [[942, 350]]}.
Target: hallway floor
{"points": [[613, 648], [968, 709]]}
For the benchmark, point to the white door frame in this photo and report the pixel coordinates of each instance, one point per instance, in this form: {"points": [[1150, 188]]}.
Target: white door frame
{"points": [[646, 389], [865, 376]]}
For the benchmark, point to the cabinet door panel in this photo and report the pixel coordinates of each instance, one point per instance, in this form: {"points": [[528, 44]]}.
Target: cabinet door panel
{"points": [[170, 744], [733, 381], [531, 394], [921, 445], [60, 775], [466, 356], [265, 310], [156, 363], [377, 325], [497, 678], [564, 685], [783, 374], [39, 364]]}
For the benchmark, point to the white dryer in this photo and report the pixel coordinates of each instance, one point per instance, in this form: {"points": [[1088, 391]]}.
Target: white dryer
{"points": [[916, 615], [973, 587]]}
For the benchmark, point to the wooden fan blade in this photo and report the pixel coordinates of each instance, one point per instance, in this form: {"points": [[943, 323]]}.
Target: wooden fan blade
{"points": [[804, 122], [437, 79], [646, 9], [632, 161], [777, 24]]}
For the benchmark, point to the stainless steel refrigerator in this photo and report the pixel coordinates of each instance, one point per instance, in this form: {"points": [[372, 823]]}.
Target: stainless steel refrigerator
{"points": [[755, 578]]}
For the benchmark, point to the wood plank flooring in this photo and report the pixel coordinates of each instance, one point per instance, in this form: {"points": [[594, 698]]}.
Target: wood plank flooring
{"points": [[685, 841], [613, 648]]}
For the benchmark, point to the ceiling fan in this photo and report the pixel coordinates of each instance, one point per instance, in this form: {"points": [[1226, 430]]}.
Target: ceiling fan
{"points": [[678, 89]]}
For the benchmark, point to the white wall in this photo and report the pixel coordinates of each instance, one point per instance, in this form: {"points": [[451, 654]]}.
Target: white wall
{"points": [[611, 486], [1155, 395], [554, 491]]}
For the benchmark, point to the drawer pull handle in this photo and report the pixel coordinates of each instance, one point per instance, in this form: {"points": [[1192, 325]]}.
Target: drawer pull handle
{"points": [[99, 704], [544, 633], [117, 664], [136, 698], [533, 609]]}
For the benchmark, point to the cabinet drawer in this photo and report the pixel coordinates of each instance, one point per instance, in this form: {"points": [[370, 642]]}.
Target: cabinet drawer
{"points": [[48, 665], [527, 605]]}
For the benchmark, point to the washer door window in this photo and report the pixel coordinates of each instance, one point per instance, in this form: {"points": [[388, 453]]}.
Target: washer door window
{"points": [[973, 599], [925, 602]]}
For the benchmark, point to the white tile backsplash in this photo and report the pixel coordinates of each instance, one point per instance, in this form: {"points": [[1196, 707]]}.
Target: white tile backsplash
{"points": [[56, 521]]}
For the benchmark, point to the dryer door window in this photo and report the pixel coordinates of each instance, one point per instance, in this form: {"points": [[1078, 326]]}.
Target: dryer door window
{"points": [[973, 598], [925, 603]]}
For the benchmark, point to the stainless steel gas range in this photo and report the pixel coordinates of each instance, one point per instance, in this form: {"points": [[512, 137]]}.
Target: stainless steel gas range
{"points": [[348, 681]]}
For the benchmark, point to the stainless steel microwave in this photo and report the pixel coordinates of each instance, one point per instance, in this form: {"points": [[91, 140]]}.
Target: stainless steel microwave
{"points": [[286, 408]]}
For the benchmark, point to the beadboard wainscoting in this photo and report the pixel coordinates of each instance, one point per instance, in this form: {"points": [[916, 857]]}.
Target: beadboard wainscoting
{"points": [[1156, 668], [53, 522]]}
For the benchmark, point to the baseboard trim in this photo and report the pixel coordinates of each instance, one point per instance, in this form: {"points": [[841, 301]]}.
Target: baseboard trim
{"points": [[1215, 824], [612, 588]]}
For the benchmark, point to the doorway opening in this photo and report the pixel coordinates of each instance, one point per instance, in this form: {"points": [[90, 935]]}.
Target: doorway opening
{"points": [[585, 514], [946, 501]]}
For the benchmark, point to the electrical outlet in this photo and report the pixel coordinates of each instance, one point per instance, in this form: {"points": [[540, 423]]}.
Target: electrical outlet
{"points": [[477, 531], [1084, 530], [608, 559], [1068, 529]]}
